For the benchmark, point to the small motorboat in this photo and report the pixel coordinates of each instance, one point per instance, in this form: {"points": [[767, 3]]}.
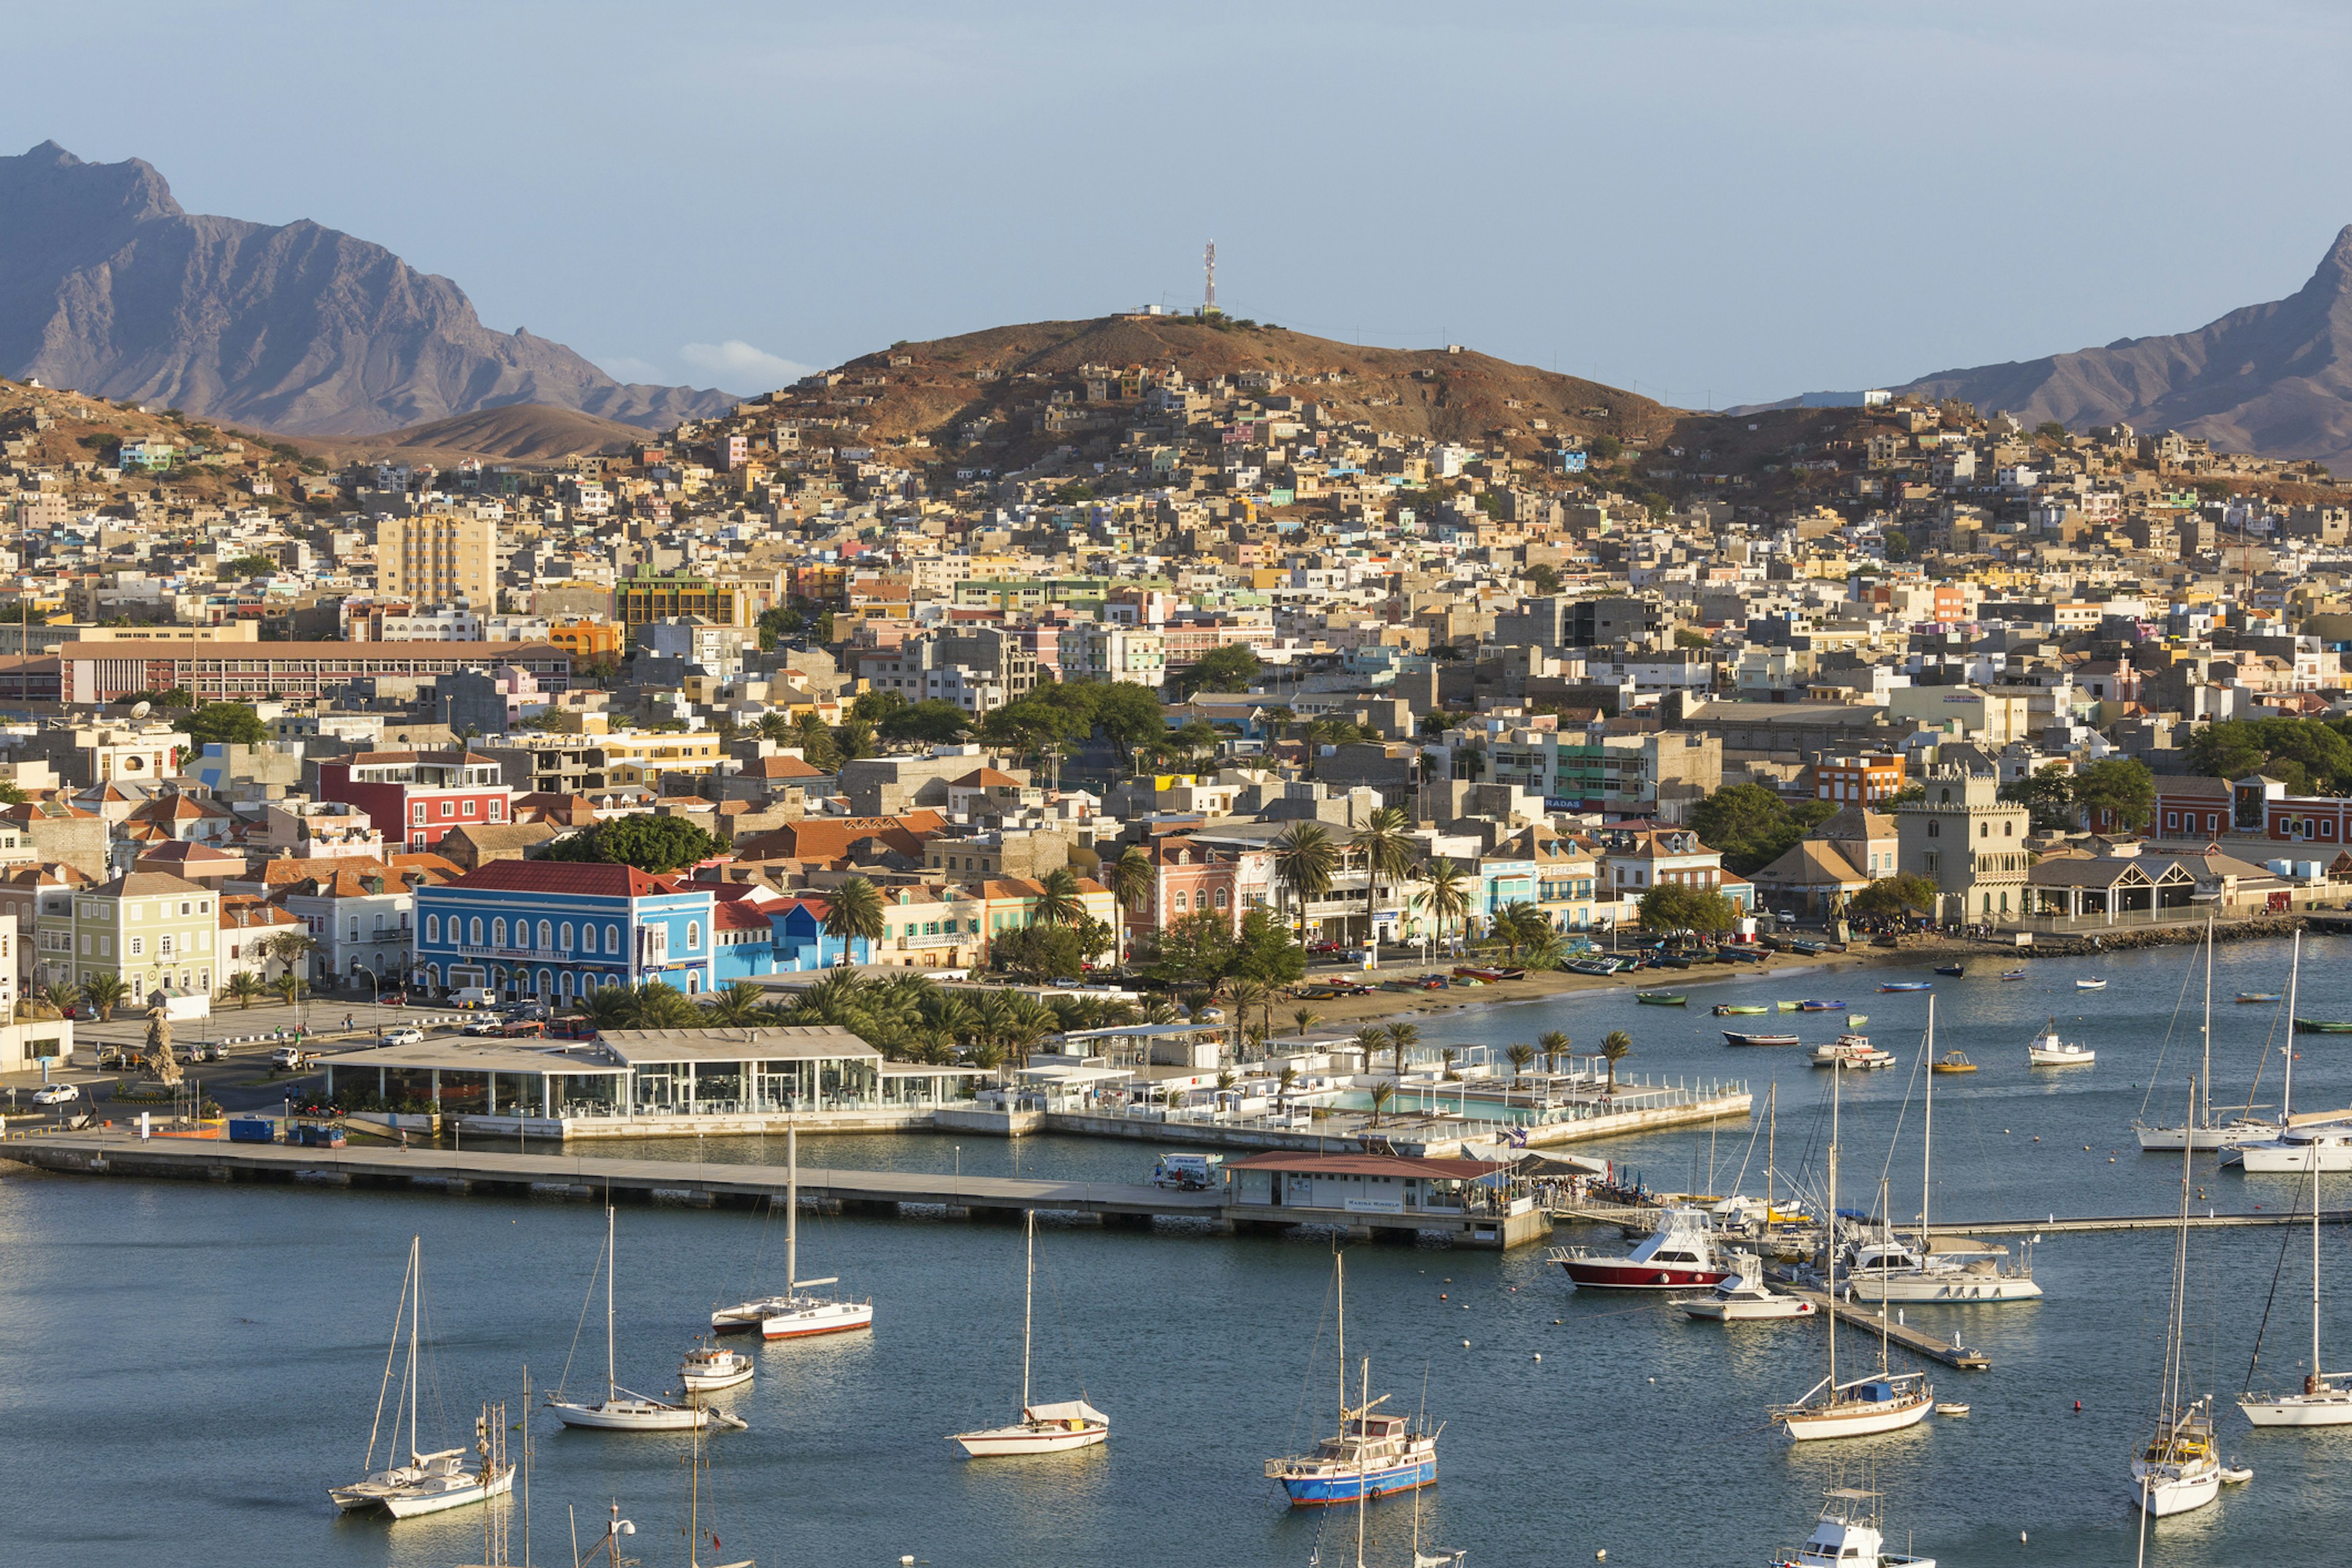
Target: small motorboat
{"points": [[707, 1369], [1732, 1038], [2047, 1050], [1953, 1061], [1743, 1298], [1852, 1051], [1856, 1020], [2012, 974], [2258, 997], [2321, 1027], [1678, 1254], [1950, 1407], [1788, 1006], [1957, 972], [1725, 1010], [1821, 1006], [1660, 998], [1908, 985], [2090, 985], [2236, 1475]]}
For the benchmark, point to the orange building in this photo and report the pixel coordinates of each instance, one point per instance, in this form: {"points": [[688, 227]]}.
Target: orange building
{"points": [[587, 639], [1864, 781]]}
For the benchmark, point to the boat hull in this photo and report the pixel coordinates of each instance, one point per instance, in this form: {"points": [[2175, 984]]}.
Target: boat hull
{"points": [[1323, 1490], [2300, 1410], [1842, 1421], [2171, 1140], [1617, 1274], [798, 1323], [1777, 1310], [2261, 1158], [1029, 1437], [1929, 1288], [409, 1501], [631, 1415], [1734, 1037], [2041, 1058], [711, 1382], [2166, 1490]]}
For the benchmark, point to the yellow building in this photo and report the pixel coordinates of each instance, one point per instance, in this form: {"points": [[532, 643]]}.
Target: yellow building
{"points": [[438, 558], [585, 640]]}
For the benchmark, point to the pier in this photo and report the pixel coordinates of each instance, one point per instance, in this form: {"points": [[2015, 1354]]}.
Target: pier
{"points": [[1951, 1352]]}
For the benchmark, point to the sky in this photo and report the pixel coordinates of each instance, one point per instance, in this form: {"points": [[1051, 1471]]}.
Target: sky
{"points": [[1709, 203]]}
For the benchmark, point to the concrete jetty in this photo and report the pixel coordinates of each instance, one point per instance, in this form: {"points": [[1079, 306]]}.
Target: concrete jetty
{"points": [[1854, 1315]]}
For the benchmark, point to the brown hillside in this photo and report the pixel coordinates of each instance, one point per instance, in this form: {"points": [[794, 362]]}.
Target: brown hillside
{"points": [[519, 432], [1419, 392]]}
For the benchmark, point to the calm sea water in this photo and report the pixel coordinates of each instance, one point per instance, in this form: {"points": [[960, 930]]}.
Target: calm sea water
{"points": [[184, 1369]]}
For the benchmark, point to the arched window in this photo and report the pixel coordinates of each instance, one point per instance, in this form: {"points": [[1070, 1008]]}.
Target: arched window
{"points": [[1221, 898], [1943, 796], [1182, 899], [1984, 830], [694, 936], [693, 982], [546, 984], [433, 975], [498, 932], [1935, 830], [433, 928], [612, 938], [565, 938], [546, 936], [474, 931], [2009, 830]]}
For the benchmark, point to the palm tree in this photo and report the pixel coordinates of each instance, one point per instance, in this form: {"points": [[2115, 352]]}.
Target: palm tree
{"points": [[1402, 1037], [1616, 1046], [1129, 878], [855, 915], [815, 740], [776, 724], [1057, 902], [1445, 1059], [1282, 1084], [1554, 1045], [1304, 859], [105, 992], [1372, 1039], [1444, 896], [289, 988], [735, 1006], [657, 1005], [1385, 851], [243, 987], [1382, 1092], [1248, 993], [1520, 1057], [1305, 1019], [54, 999]]}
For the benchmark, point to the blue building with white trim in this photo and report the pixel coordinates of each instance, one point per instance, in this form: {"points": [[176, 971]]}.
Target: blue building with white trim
{"points": [[558, 929]]}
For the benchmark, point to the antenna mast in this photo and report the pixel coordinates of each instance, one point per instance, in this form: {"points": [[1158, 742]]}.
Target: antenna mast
{"points": [[1208, 263]]}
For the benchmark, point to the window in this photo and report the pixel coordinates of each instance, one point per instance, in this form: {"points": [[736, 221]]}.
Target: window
{"points": [[612, 938], [1182, 899], [546, 935], [433, 928], [469, 808], [1984, 830], [137, 946], [566, 934], [164, 947], [419, 812], [1221, 898], [448, 808], [694, 936], [2009, 830], [1935, 830], [474, 931], [497, 934]]}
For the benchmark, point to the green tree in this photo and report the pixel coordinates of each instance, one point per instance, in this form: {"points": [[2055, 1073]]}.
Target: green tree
{"points": [[1751, 827], [1615, 1046], [1446, 893], [2120, 790], [1897, 545], [655, 844], [1059, 902], [242, 988], [1892, 897], [937, 723], [1228, 669], [1197, 948], [2048, 795], [1304, 862], [735, 1006], [1552, 1044], [1127, 715], [1386, 852], [1039, 953], [105, 992], [1305, 1019], [855, 914], [1522, 1057], [1605, 448], [1266, 953], [1130, 879], [1679, 906], [1544, 580], [2305, 755], [226, 724]]}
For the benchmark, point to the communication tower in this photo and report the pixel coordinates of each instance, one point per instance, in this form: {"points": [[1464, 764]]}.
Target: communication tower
{"points": [[1209, 303]]}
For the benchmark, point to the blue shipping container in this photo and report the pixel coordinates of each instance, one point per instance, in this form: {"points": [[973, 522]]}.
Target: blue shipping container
{"points": [[251, 1130]]}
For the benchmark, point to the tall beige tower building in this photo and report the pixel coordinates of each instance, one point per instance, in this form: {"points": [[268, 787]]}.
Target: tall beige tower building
{"points": [[438, 558]]}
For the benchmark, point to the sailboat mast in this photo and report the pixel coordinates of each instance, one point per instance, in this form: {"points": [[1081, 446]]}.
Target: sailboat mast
{"points": [[693, 1501], [611, 1376], [1363, 1398], [1772, 1144], [1829, 1223], [2286, 1095], [1340, 1263], [2205, 1072], [791, 1209], [1028, 1298], [2172, 1347], [2316, 1374], [417, 1310], [526, 1467], [1927, 1134]]}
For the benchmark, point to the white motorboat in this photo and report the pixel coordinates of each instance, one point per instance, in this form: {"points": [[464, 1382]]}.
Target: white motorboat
{"points": [[1744, 1297], [2047, 1049], [2321, 1140], [428, 1482], [1850, 1534], [2090, 985], [2176, 1469], [2325, 1399], [1853, 1051], [707, 1369], [1052, 1428], [621, 1410], [794, 1315], [2198, 1131]]}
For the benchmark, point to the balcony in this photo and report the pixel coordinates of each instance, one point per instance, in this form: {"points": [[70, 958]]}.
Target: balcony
{"points": [[534, 954]]}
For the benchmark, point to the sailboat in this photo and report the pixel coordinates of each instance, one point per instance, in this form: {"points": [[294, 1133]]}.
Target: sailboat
{"points": [[1885, 1269], [1043, 1428], [621, 1410], [428, 1483], [2197, 1129], [793, 1315], [2318, 1140], [2325, 1401], [2177, 1470], [1884, 1403], [1370, 1455], [696, 1464]]}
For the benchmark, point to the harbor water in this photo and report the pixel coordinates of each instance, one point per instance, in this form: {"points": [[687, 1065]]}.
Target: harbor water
{"points": [[186, 1368]]}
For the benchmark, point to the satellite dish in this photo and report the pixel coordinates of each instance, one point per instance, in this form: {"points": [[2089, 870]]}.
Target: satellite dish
{"points": [[141, 709]]}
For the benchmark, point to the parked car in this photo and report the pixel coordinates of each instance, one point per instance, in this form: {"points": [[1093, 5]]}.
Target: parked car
{"points": [[406, 1034], [117, 1056], [57, 1094], [483, 1027], [538, 1010], [393, 999]]}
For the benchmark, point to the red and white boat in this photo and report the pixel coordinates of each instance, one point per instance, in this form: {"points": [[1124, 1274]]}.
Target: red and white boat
{"points": [[793, 1316], [1678, 1255]]}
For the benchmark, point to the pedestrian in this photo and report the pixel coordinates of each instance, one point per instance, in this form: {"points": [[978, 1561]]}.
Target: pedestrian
{"points": [[347, 1020]]}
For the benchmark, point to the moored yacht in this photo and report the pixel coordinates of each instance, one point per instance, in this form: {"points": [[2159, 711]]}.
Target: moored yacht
{"points": [[1853, 1051], [2321, 1140], [1678, 1255], [1744, 1297], [794, 1315], [1891, 1270], [2048, 1049], [2179, 1470], [1372, 1455], [707, 1369], [1850, 1534]]}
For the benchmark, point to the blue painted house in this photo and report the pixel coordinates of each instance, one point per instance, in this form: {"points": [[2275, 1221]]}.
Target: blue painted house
{"points": [[801, 941], [557, 929]]}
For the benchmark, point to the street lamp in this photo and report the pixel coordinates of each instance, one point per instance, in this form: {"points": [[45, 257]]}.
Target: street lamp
{"points": [[376, 1006]]}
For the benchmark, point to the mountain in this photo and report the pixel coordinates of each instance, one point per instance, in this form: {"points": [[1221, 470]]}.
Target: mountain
{"points": [[2273, 379], [107, 286], [514, 432]]}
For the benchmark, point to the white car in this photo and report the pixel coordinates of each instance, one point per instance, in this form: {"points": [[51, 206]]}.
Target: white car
{"points": [[288, 1057], [406, 1034], [57, 1094]]}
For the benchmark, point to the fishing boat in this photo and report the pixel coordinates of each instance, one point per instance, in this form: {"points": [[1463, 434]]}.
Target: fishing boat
{"points": [[1954, 1061], [707, 1369], [2245, 997], [1660, 998], [1908, 985], [2197, 1129], [1851, 1534], [1043, 1428], [2048, 1050], [1372, 1454], [621, 1410], [1728, 1010], [1852, 1051], [1734, 1037], [796, 1315], [1678, 1255], [1592, 966], [1957, 971], [2326, 1398], [1788, 1006], [2176, 1469], [427, 1483], [2090, 985], [2322, 1027], [2012, 974], [1744, 1299], [1821, 1006], [1885, 1403]]}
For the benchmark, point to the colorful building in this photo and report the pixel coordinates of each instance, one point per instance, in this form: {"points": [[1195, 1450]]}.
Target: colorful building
{"points": [[557, 929]]}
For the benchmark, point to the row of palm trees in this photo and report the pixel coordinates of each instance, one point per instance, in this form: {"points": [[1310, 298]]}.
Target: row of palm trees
{"points": [[102, 993], [1307, 858]]}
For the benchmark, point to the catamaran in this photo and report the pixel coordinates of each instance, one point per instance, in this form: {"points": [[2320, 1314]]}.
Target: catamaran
{"points": [[1370, 1455], [793, 1315], [2197, 1129], [2176, 1469], [1042, 1429], [1885, 1403], [431, 1482], [621, 1410], [2325, 1399]]}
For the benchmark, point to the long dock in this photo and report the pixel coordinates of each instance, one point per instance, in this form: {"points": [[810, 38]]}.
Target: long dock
{"points": [[1950, 1352]]}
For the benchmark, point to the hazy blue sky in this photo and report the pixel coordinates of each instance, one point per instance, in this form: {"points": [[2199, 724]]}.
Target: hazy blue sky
{"points": [[1733, 202]]}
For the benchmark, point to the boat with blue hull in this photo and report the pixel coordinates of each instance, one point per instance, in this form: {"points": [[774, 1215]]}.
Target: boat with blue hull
{"points": [[1372, 1454]]}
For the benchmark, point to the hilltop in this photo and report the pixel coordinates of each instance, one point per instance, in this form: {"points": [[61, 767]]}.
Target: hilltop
{"points": [[108, 287]]}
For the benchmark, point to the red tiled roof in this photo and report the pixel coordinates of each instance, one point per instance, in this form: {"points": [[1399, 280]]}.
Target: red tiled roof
{"points": [[592, 878], [735, 914]]}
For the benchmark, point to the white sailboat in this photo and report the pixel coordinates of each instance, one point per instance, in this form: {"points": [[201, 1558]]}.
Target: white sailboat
{"points": [[1885, 1403], [621, 1410], [2316, 1141], [2197, 1129], [1043, 1428], [794, 1314], [2326, 1400], [2176, 1469], [427, 1483], [1885, 1269]]}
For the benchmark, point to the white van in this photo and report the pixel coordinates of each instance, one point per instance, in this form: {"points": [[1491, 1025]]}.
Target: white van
{"points": [[474, 996], [1190, 1172]]}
